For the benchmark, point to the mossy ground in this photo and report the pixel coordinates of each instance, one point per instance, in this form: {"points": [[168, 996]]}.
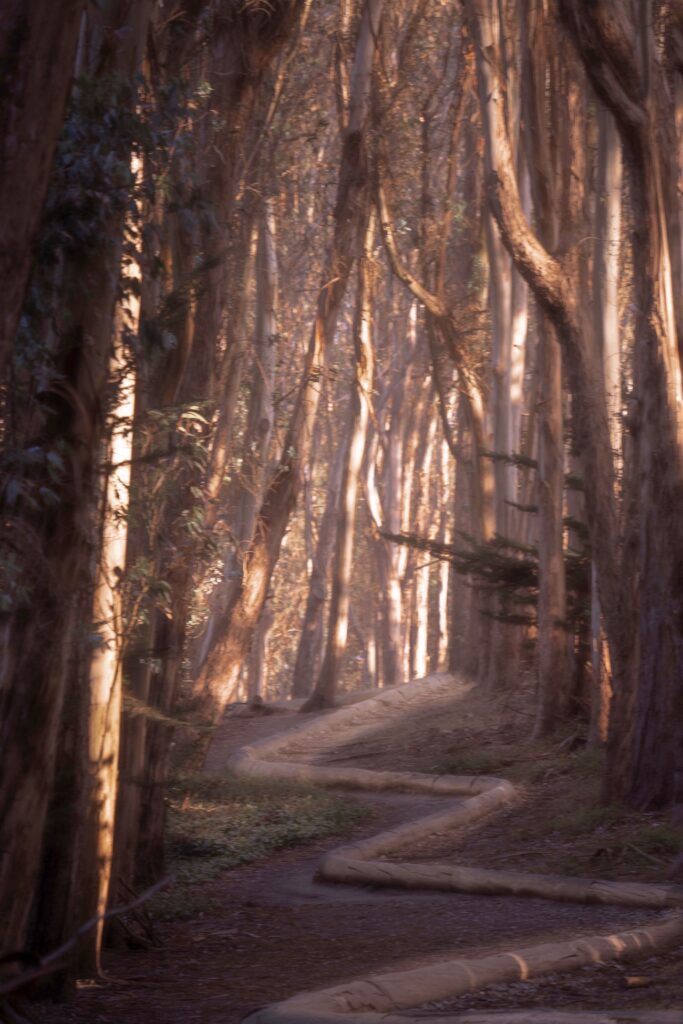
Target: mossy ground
{"points": [[563, 824], [216, 822]]}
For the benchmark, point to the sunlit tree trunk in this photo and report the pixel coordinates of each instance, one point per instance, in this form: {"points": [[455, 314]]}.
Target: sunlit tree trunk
{"points": [[258, 658], [244, 43], [606, 273], [41, 642], [445, 501], [421, 574], [309, 650], [105, 676], [337, 629]]}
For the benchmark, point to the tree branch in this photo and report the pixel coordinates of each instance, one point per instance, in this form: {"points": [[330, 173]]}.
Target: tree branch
{"points": [[51, 962], [542, 271]]}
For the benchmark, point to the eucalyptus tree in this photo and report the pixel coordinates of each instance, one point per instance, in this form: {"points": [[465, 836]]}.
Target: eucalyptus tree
{"points": [[56, 503], [38, 45], [223, 665]]}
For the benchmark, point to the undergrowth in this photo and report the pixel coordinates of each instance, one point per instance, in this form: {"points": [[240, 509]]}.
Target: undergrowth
{"points": [[218, 822], [563, 824]]}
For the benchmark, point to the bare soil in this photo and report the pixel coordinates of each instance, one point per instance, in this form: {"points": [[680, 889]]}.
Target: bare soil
{"points": [[270, 930]]}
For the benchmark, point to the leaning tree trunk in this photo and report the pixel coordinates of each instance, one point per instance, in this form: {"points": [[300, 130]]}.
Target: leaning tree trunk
{"points": [[224, 663]]}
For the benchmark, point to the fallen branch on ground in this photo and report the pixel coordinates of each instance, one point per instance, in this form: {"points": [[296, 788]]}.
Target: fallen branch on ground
{"points": [[53, 961]]}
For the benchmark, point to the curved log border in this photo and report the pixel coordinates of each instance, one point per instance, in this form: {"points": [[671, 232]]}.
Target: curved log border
{"points": [[368, 1000]]}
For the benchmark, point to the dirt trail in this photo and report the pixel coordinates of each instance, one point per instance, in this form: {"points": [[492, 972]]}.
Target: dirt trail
{"points": [[276, 931]]}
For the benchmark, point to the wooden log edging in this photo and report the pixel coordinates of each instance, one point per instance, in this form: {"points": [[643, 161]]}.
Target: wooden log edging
{"points": [[379, 997]]}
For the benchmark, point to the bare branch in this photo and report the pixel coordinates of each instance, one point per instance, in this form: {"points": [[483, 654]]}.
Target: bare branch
{"points": [[52, 961]]}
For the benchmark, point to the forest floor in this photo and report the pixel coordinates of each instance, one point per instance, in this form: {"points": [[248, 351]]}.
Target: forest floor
{"points": [[262, 931]]}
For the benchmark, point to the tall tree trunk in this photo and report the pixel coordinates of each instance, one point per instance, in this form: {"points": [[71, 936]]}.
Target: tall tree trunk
{"points": [[498, 665], [37, 52], [463, 648], [444, 502], [606, 300], [258, 658], [556, 289], [646, 746], [40, 642], [543, 114], [309, 650], [419, 634], [328, 680], [553, 676], [141, 560], [105, 677], [224, 663], [259, 427]]}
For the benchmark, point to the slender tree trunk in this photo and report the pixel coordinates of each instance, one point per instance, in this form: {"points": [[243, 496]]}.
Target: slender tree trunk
{"points": [[606, 301], [328, 680], [421, 575], [499, 663], [389, 618], [105, 677], [445, 501], [139, 627], [553, 677], [542, 111], [463, 648], [259, 428], [309, 651], [258, 658]]}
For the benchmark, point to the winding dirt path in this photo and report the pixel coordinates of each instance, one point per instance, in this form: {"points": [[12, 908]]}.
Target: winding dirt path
{"points": [[390, 997], [271, 928]]}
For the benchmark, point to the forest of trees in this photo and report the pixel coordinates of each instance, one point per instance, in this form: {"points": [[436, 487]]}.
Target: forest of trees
{"points": [[341, 343]]}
